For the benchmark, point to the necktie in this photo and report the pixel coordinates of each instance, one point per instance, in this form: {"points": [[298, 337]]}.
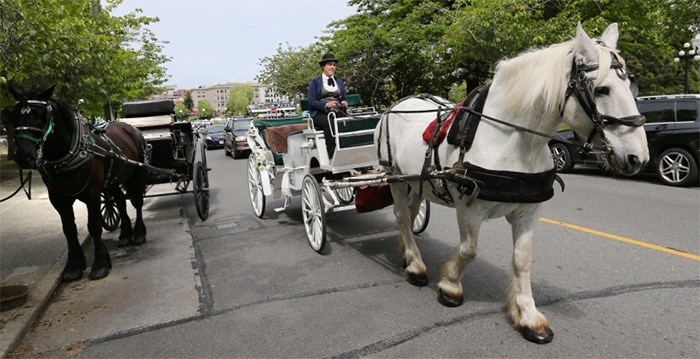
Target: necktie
{"points": [[331, 82]]}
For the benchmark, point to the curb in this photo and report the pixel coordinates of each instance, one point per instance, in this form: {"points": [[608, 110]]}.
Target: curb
{"points": [[38, 300]]}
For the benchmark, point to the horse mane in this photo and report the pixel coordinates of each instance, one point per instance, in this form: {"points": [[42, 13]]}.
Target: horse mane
{"points": [[535, 79]]}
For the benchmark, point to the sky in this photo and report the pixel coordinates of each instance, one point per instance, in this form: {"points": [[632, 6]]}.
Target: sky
{"points": [[219, 41]]}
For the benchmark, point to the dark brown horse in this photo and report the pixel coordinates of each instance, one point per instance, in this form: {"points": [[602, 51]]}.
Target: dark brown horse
{"points": [[77, 162]]}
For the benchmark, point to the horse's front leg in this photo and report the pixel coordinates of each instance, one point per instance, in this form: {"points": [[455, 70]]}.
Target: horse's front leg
{"points": [[450, 292], [76, 259], [521, 305], [415, 268], [102, 263]]}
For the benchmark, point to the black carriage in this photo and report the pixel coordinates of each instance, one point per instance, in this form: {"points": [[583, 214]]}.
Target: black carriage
{"points": [[175, 153]]}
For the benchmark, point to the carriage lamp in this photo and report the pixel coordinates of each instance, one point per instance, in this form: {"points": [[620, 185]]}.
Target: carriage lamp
{"points": [[689, 51]]}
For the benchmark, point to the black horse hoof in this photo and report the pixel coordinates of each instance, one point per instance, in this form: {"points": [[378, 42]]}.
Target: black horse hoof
{"points": [[137, 241], [542, 336], [98, 273], [449, 301], [123, 242], [70, 276], [419, 280]]}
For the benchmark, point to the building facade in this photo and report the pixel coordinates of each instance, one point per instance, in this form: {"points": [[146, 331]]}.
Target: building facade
{"points": [[217, 95]]}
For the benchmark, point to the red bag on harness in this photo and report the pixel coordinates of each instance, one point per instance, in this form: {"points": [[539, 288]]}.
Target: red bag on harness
{"points": [[370, 198], [442, 132]]}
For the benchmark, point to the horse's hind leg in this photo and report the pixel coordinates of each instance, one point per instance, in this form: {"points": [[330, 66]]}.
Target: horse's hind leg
{"points": [[415, 268], [521, 305], [126, 233], [450, 292], [102, 263], [135, 187], [76, 259]]}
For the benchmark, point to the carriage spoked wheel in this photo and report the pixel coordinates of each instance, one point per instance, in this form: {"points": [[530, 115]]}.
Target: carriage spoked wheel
{"points": [[314, 213], [422, 218], [257, 197], [345, 195], [201, 191], [109, 218]]}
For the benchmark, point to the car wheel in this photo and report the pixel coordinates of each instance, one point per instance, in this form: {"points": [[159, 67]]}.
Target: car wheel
{"points": [[561, 157], [677, 167]]}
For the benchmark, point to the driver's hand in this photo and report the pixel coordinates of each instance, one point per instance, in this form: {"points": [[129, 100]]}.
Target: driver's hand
{"points": [[345, 104]]}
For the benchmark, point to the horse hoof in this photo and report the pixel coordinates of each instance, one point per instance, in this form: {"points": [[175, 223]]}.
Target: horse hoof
{"points": [[98, 273], [542, 336], [419, 280], [449, 301], [123, 242], [69, 276], [137, 241]]}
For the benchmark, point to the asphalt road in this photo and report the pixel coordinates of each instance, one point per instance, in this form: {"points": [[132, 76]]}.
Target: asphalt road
{"points": [[616, 270]]}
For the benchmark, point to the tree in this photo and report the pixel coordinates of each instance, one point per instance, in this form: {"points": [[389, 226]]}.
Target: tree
{"points": [[181, 112], [188, 101], [485, 31], [79, 46], [238, 100], [204, 109], [291, 69]]}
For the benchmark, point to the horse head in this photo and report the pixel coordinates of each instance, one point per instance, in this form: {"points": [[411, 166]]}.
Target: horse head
{"points": [[604, 109], [33, 119]]}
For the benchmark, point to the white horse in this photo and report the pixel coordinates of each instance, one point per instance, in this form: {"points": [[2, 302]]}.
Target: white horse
{"points": [[582, 83]]}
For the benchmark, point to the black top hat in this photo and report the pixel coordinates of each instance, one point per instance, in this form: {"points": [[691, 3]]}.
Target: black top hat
{"points": [[327, 57]]}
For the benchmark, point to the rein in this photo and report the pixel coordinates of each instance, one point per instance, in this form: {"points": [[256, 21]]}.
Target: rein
{"points": [[22, 182]]}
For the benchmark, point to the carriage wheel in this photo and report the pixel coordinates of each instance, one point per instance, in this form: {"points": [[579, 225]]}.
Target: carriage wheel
{"points": [[110, 218], [257, 197], [314, 213], [345, 195], [422, 218], [201, 191]]}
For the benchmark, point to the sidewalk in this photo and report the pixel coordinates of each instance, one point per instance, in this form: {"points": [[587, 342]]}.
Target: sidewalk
{"points": [[32, 250]]}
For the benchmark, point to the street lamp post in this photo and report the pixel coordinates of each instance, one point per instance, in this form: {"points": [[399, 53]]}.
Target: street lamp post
{"points": [[689, 52]]}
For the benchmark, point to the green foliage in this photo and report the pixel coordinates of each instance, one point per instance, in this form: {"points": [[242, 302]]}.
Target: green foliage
{"points": [[182, 112], [205, 110], [239, 98], [188, 101], [394, 48], [457, 92], [291, 69], [79, 46]]}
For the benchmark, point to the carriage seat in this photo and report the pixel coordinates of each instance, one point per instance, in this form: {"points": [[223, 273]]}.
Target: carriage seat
{"points": [[276, 137]]}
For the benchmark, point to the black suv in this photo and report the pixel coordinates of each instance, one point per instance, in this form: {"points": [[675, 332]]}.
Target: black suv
{"points": [[673, 135], [235, 137]]}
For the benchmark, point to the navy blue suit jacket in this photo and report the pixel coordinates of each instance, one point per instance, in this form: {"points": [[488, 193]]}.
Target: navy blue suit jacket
{"points": [[315, 87]]}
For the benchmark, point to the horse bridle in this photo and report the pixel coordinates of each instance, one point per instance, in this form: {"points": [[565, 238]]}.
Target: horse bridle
{"points": [[583, 87], [79, 152], [21, 131]]}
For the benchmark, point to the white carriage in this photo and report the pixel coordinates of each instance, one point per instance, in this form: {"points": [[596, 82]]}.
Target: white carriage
{"points": [[289, 158]]}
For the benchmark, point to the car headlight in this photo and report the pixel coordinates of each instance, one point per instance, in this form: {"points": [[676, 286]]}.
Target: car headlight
{"points": [[209, 138]]}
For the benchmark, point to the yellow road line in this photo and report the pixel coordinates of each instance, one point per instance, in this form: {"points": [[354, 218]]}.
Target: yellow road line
{"points": [[622, 239]]}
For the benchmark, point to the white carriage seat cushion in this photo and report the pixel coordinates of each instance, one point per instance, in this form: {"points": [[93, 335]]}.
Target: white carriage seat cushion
{"points": [[151, 121], [276, 137]]}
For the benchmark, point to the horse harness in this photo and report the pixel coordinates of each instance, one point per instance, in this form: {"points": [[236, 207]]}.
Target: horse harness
{"points": [[83, 145], [504, 186]]}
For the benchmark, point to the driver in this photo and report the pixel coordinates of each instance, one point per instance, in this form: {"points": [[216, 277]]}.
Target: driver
{"points": [[326, 94]]}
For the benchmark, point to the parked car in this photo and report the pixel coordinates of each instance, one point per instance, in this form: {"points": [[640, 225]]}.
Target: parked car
{"points": [[235, 133], [673, 135], [215, 136]]}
